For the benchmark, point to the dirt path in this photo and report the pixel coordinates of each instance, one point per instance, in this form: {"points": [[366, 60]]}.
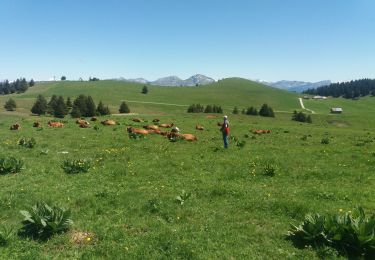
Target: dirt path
{"points": [[303, 107]]}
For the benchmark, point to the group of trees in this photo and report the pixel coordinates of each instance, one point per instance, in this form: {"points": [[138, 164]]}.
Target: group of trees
{"points": [[93, 79], [265, 110], [301, 117], [82, 106], [351, 89], [18, 86], [198, 108]]}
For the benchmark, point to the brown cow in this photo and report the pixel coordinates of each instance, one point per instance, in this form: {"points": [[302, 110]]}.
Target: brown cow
{"points": [[36, 124], [137, 120], [137, 131], [83, 125], [261, 131], [108, 122], [166, 125], [188, 137], [82, 122], [199, 127], [15, 127], [55, 124], [151, 127]]}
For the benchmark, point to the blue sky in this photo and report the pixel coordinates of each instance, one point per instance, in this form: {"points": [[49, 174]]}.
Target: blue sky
{"points": [[271, 40]]}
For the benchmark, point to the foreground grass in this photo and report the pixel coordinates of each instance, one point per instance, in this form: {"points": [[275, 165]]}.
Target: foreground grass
{"points": [[126, 202]]}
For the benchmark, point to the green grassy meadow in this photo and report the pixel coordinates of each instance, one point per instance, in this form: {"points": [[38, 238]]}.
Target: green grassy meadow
{"points": [[127, 200]]}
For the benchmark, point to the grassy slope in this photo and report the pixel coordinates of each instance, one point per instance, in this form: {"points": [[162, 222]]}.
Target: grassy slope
{"points": [[227, 93], [234, 211]]}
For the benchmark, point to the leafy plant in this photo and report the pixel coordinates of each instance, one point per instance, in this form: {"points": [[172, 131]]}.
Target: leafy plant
{"points": [[183, 197], [76, 166], [269, 170], [153, 206], [5, 235], [43, 221], [27, 142], [351, 233], [324, 140], [10, 165]]}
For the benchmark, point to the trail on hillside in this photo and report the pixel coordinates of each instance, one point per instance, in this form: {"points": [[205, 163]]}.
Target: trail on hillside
{"points": [[303, 107], [180, 105]]}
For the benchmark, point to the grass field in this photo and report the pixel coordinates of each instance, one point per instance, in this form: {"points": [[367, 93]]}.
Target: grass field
{"points": [[126, 202]]}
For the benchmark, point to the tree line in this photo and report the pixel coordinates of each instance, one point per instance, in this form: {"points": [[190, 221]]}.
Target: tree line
{"points": [[265, 111], [82, 106], [18, 86], [351, 89], [198, 108]]}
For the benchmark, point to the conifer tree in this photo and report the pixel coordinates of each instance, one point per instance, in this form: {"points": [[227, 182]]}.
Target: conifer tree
{"points": [[124, 108], [10, 105], [40, 106], [60, 109]]}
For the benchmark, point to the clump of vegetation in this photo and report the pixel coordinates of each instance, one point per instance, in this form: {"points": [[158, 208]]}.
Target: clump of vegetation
{"points": [[42, 221], [102, 109], [124, 108], [235, 111], [76, 166], [269, 170], [266, 111], [153, 206], [325, 140], [5, 235], [351, 233], [10, 165], [144, 90], [252, 111], [40, 106], [183, 197], [10, 105], [27, 142], [136, 136], [198, 108], [83, 106], [301, 117]]}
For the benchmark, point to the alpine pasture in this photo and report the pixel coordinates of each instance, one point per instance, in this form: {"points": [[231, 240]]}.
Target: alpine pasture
{"points": [[150, 198]]}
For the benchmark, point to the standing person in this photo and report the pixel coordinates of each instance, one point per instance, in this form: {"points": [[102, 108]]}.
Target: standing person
{"points": [[225, 130]]}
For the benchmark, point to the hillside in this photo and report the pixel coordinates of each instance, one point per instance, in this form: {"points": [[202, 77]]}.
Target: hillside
{"points": [[227, 93]]}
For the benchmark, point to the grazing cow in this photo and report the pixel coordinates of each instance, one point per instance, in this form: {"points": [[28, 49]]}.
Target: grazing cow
{"points": [[82, 122], [15, 127], [199, 127], [156, 120], [108, 122], [166, 125], [93, 118], [137, 120], [36, 124], [151, 127], [137, 131], [55, 124]]}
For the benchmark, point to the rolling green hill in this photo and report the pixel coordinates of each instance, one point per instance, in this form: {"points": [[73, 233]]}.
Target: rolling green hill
{"points": [[227, 93]]}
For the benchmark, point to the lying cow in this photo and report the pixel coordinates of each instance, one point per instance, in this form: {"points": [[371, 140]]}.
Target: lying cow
{"points": [[199, 127], [108, 122], [137, 131], [93, 118], [261, 131], [137, 120], [82, 122], [151, 127], [36, 124], [55, 124], [166, 125]]}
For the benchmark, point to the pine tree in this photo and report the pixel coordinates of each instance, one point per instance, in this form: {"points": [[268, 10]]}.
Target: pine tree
{"points": [[61, 109], [52, 104], [69, 103], [76, 112], [80, 106], [91, 108], [40, 106], [208, 109], [144, 90], [124, 108], [10, 105], [31, 83], [235, 110]]}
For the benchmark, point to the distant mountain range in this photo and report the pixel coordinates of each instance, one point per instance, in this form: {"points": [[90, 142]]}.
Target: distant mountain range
{"points": [[296, 86], [174, 81]]}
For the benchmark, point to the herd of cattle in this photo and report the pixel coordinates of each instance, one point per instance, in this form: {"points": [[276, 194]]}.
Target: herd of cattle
{"points": [[147, 129]]}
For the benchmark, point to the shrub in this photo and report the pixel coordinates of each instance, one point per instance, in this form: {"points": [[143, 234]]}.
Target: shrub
{"points": [[10, 105], [301, 117], [124, 108], [76, 166], [183, 197], [10, 165], [43, 221], [351, 233], [5, 235], [28, 143], [269, 170], [235, 111], [324, 140], [266, 111]]}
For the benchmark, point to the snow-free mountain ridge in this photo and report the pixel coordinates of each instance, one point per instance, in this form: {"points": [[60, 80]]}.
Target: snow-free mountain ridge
{"points": [[174, 81]]}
